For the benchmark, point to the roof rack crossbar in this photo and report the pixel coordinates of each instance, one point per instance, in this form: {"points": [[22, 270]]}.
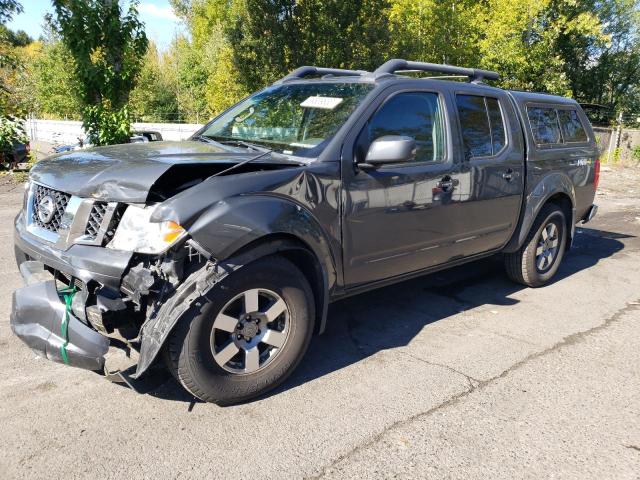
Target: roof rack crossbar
{"points": [[475, 75], [307, 71]]}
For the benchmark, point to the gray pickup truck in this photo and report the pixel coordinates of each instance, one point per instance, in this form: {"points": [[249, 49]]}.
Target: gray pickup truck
{"points": [[218, 256]]}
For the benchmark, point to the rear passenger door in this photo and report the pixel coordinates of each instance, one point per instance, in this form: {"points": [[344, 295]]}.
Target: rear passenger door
{"points": [[492, 166]]}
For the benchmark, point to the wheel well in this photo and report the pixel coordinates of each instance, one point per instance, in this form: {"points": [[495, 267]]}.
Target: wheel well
{"points": [[563, 201], [298, 253]]}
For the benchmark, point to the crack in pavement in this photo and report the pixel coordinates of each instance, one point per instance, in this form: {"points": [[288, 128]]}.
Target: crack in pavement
{"points": [[569, 340], [473, 382]]}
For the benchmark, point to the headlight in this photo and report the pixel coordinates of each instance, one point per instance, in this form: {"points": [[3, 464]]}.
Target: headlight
{"points": [[136, 233]]}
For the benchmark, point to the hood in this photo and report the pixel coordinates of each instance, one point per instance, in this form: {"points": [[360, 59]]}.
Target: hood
{"points": [[130, 172]]}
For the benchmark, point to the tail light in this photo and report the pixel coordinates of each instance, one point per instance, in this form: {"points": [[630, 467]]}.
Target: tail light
{"points": [[596, 177]]}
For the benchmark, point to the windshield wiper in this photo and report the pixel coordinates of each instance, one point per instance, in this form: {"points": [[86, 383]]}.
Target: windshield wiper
{"points": [[240, 143], [237, 165], [205, 139]]}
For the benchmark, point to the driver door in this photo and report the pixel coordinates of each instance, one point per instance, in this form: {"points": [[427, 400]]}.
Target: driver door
{"points": [[401, 218]]}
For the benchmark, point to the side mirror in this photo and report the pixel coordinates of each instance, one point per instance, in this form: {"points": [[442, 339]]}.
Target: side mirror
{"points": [[390, 149]]}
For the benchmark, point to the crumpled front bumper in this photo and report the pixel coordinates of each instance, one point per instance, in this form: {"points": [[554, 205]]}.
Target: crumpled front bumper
{"points": [[85, 262], [37, 318]]}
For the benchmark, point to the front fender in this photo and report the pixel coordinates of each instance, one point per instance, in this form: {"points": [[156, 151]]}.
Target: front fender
{"points": [[544, 189], [228, 226], [224, 229]]}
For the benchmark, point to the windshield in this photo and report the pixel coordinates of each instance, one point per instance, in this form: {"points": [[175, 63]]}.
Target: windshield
{"points": [[297, 119]]}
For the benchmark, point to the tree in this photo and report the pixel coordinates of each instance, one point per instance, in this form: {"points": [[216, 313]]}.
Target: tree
{"points": [[272, 38], [18, 38], [438, 31], [51, 80], [107, 46], [604, 70], [8, 61], [155, 98], [8, 8], [192, 73]]}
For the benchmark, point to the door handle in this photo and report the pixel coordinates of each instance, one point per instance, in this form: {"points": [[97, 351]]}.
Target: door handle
{"points": [[447, 184], [509, 175]]}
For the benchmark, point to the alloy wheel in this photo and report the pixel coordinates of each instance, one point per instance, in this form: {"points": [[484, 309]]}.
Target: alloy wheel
{"points": [[547, 248], [250, 331]]}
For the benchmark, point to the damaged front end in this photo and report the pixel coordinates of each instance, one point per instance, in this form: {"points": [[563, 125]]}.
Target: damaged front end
{"points": [[94, 325], [106, 282], [110, 272], [43, 319]]}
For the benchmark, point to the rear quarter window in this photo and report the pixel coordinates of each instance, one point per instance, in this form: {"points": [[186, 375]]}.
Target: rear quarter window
{"points": [[572, 129], [544, 125]]}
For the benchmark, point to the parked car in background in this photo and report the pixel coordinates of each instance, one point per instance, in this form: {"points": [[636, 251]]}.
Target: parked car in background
{"points": [[219, 256], [18, 154], [149, 135], [81, 143]]}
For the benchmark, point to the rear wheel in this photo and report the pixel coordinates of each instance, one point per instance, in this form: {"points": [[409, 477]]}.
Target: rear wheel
{"points": [[539, 258], [248, 337]]}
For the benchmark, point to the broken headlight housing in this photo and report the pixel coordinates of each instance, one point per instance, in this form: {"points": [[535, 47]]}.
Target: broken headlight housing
{"points": [[137, 233]]}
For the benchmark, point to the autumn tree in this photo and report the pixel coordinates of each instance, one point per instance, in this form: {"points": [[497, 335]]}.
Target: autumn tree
{"points": [[108, 46]]}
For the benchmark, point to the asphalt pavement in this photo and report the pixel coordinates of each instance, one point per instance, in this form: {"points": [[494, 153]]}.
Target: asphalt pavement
{"points": [[461, 374]]}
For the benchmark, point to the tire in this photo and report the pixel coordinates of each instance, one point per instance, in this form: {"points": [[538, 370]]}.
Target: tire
{"points": [[207, 331], [527, 266]]}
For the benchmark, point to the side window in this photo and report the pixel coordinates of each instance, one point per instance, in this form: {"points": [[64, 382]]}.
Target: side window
{"points": [[544, 124], [572, 129], [497, 124], [417, 115], [482, 125]]}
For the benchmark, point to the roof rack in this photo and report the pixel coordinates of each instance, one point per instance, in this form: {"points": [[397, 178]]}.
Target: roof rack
{"points": [[390, 67], [396, 65], [307, 71]]}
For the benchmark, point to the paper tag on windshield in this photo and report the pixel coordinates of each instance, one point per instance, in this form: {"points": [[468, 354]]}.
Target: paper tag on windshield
{"points": [[326, 103]]}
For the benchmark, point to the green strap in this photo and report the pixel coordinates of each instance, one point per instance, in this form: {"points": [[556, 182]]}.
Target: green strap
{"points": [[67, 295]]}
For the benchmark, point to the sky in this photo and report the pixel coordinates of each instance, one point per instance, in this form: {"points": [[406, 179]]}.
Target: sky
{"points": [[161, 24]]}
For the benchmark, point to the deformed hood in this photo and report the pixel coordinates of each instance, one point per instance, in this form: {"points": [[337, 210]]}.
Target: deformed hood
{"points": [[127, 172]]}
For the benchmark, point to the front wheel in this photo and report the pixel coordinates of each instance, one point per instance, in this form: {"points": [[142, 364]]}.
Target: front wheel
{"points": [[248, 337], [539, 258]]}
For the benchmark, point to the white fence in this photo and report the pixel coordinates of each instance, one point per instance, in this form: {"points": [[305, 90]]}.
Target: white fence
{"points": [[64, 131]]}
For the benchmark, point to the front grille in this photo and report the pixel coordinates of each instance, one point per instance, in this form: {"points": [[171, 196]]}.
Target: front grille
{"points": [[60, 201], [95, 219]]}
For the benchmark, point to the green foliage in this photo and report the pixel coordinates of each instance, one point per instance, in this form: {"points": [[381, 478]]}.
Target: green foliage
{"points": [[18, 38], [192, 74], [49, 85], [635, 153], [8, 8], [588, 49], [436, 31], [105, 125], [9, 66], [617, 155], [107, 46], [271, 38], [519, 44], [155, 97]]}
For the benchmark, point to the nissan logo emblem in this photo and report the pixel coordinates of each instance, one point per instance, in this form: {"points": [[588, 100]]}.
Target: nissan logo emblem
{"points": [[46, 209]]}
